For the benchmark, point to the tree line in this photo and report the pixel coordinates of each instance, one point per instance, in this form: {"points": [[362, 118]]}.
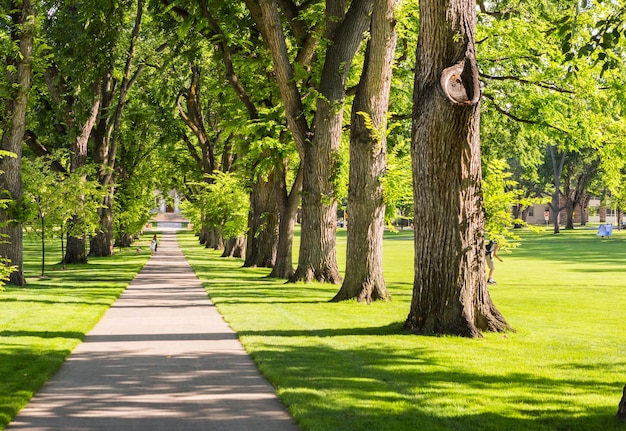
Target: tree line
{"points": [[261, 112]]}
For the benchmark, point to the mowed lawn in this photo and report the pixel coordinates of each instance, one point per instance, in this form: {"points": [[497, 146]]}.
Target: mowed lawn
{"points": [[350, 366], [41, 323]]}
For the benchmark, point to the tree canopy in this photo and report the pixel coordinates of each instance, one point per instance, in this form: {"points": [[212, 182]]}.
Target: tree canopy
{"points": [[219, 99]]}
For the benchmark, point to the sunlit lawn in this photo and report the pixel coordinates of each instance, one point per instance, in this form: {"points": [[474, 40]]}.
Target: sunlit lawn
{"points": [[349, 366], [40, 324]]}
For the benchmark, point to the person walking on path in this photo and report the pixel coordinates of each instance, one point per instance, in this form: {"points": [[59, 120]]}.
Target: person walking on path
{"points": [[153, 246], [161, 359], [491, 251]]}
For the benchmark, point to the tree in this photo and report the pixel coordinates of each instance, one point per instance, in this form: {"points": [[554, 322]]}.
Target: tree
{"points": [[77, 44], [368, 147], [21, 26], [222, 205], [81, 197], [318, 143], [550, 85], [580, 170], [5, 264], [234, 59], [449, 291], [138, 170], [114, 96], [41, 191]]}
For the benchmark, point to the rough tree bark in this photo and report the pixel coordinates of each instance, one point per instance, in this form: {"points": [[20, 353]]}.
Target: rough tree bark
{"points": [[106, 138], [364, 267], [287, 208], [76, 250], [234, 247], [317, 258], [262, 238], [22, 32], [450, 295]]}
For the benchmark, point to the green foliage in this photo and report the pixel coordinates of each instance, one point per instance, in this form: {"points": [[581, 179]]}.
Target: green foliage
{"points": [[6, 269], [543, 88], [60, 205], [398, 186], [500, 194], [223, 203], [341, 171]]}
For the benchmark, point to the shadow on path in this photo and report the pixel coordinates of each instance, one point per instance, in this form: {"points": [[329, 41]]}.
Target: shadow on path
{"points": [[161, 358]]}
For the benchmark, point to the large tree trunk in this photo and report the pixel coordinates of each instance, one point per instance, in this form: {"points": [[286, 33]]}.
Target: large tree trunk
{"points": [[215, 240], [287, 209], [23, 32], [317, 259], [75, 251], [101, 244], [203, 236], [449, 292], [557, 170], [364, 265], [107, 136], [234, 247], [569, 214], [262, 237]]}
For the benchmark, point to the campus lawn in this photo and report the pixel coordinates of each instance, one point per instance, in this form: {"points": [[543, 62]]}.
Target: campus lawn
{"points": [[41, 323], [350, 366]]}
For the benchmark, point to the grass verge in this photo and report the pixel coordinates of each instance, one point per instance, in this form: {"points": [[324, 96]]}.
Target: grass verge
{"points": [[349, 366], [41, 323]]}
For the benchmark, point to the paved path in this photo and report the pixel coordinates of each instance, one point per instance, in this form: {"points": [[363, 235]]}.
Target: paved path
{"points": [[161, 358]]}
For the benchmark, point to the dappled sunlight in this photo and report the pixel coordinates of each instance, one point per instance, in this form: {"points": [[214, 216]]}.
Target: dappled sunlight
{"points": [[346, 365], [162, 358]]}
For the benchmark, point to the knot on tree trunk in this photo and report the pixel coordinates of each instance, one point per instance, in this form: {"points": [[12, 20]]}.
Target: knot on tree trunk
{"points": [[621, 409], [460, 83]]}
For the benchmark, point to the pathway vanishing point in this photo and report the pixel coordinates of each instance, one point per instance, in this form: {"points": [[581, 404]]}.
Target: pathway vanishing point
{"points": [[161, 358]]}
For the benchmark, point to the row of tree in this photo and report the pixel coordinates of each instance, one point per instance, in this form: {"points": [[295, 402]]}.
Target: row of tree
{"points": [[215, 98]]}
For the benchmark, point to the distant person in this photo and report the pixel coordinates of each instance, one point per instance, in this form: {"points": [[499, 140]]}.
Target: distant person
{"points": [[156, 243], [491, 251]]}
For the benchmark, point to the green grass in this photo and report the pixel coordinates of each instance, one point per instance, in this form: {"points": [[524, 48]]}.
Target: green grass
{"points": [[41, 323], [349, 366]]}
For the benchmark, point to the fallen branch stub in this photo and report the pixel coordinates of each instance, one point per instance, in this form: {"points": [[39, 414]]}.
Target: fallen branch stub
{"points": [[460, 83]]}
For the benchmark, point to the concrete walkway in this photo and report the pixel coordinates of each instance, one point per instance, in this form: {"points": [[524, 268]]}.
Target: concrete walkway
{"points": [[161, 358]]}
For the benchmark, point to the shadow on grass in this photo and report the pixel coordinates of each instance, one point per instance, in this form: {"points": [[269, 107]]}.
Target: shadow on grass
{"points": [[24, 372], [405, 391], [70, 299], [410, 388], [44, 334]]}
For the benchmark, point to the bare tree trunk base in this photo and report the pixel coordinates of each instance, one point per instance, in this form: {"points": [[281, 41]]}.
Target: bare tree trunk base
{"points": [[234, 247], [493, 322], [461, 328], [75, 251], [621, 410], [365, 292], [282, 269], [308, 275]]}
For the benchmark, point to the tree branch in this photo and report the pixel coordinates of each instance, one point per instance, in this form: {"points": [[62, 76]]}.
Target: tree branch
{"points": [[526, 81], [519, 119]]}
